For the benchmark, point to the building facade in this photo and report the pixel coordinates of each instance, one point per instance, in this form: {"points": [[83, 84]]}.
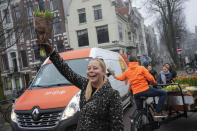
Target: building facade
{"points": [[20, 58], [102, 24], [151, 42], [138, 31]]}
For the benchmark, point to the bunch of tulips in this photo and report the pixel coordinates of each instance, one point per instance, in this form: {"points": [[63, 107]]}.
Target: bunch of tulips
{"points": [[189, 80]]}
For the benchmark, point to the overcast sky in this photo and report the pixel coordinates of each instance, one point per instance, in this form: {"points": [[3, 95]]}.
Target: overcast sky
{"points": [[190, 13]]}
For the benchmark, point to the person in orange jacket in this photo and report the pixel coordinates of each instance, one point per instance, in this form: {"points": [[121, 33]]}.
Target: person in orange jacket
{"points": [[138, 76]]}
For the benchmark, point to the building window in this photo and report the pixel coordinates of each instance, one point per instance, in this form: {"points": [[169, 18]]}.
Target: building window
{"points": [[2, 39], [56, 26], [8, 83], [5, 62], [32, 31], [36, 52], [60, 46], [97, 12], [41, 5], [17, 82], [102, 34], [30, 9], [120, 31], [14, 62], [53, 5], [82, 36], [27, 79], [17, 13], [82, 15], [20, 35], [24, 58], [9, 37], [7, 16], [129, 35]]}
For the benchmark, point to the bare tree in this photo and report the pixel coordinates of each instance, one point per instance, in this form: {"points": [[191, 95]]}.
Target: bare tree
{"points": [[7, 32], [19, 28], [171, 22]]}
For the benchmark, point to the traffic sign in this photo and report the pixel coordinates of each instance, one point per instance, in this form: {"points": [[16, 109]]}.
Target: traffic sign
{"points": [[179, 49]]}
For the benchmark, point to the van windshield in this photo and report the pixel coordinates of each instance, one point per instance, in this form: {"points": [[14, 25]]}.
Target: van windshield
{"points": [[49, 76]]}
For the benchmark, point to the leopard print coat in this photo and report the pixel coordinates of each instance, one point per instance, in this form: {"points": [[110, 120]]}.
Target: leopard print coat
{"points": [[103, 111]]}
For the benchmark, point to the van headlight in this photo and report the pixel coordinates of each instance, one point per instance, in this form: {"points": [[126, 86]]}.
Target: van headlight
{"points": [[72, 107], [13, 115]]}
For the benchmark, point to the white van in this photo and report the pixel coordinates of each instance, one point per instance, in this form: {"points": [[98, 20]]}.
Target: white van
{"points": [[41, 107]]}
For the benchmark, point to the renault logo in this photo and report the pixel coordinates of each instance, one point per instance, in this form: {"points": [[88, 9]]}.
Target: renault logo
{"points": [[35, 114]]}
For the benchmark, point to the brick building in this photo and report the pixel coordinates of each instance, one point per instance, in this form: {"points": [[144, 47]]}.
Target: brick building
{"points": [[19, 55]]}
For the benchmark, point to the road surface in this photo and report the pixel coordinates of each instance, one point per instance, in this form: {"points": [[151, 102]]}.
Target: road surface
{"points": [[182, 124]]}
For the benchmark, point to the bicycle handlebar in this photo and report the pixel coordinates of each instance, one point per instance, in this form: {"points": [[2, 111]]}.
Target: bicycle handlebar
{"points": [[2, 101], [165, 84]]}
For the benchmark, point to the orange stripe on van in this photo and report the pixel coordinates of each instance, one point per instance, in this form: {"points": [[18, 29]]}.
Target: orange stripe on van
{"points": [[127, 62], [125, 59], [75, 54], [46, 98]]}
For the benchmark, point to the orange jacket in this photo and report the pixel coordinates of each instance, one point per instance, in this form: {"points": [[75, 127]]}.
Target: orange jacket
{"points": [[137, 76]]}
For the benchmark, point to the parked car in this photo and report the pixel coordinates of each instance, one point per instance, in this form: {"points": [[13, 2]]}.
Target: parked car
{"points": [[51, 102]]}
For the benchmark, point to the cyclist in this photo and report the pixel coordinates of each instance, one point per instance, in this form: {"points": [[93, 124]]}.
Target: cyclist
{"points": [[138, 76]]}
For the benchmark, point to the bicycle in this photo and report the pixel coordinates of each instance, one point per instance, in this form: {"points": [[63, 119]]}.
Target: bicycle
{"points": [[6, 113], [143, 120]]}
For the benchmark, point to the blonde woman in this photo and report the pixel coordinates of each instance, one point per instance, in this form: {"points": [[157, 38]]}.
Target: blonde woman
{"points": [[100, 104]]}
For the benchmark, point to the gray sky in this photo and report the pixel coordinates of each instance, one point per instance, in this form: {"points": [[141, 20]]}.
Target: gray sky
{"points": [[190, 13]]}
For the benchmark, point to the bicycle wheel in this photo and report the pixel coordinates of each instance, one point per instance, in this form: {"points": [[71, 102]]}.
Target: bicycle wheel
{"points": [[189, 70], [1, 114], [7, 114], [142, 123]]}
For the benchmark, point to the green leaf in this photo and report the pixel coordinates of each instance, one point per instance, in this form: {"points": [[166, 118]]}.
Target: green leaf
{"points": [[37, 12], [46, 14], [52, 15]]}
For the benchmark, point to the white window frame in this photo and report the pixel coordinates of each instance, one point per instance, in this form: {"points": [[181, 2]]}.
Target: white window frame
{"points": [[98, 11]]}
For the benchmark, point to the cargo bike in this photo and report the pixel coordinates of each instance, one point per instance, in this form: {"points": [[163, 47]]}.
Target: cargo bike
{"points": [[178, 103]]}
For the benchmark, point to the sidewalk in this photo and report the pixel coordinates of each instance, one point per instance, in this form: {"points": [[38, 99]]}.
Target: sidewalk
{"points": [[4, 126], [181, 124]]}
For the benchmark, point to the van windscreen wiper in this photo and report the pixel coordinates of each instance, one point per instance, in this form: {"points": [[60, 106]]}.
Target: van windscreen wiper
{"points": [[59, 84], [41, 86]]}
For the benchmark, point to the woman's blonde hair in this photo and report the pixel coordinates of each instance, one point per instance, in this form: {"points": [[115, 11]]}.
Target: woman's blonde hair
{"points": [[88, 92], [101, 63]]}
